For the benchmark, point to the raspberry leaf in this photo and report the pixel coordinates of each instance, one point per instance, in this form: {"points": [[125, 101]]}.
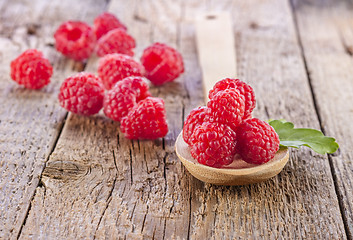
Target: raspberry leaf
{"points": [[297, 137]]}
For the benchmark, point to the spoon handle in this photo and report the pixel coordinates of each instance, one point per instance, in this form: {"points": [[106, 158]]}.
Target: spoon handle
{"points": [[216, 48]]}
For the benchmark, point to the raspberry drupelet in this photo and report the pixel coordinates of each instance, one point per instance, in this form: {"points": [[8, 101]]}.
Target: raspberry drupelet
{"points": [[31, 69]]}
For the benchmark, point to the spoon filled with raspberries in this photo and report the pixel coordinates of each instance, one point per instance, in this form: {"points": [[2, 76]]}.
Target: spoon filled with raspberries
{"points": [[221, 143]]}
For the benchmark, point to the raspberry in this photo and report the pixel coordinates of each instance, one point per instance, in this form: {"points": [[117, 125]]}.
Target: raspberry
{"points": [[257, 141], [75, 40], [162, 63], [115, 67], [138, 84], [31, 69], [106, 22], [116, 41], [213, 144], [147, 120], [118, 101], [227, 107], [196, 117], [243, 88], [82, 94]]}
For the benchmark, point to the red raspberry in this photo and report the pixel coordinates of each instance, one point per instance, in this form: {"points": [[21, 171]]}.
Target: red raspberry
{"points": [[116, 41], [196, 117], [106, 22], [147, 120], [213, 144], [243, 88], [138, 84], [82, 94], [227, 107], [115, 67], [257, 141], [31, 69], [75, 40], [118, 101], [162, 63]]}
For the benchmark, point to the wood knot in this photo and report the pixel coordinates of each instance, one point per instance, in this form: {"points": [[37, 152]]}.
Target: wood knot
{"points": [[65, 170], [254, 25], [32, 28]]}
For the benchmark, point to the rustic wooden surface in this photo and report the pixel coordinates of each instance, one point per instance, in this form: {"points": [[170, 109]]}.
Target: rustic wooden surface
{"points": [[63, 176]]}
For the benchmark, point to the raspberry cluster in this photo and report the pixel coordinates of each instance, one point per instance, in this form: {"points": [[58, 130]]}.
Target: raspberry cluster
{"points": [[77, 40], [128, 101], [224, 128], [120, 87]]}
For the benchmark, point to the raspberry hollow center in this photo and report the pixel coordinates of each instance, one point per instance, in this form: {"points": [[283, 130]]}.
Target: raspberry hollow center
{"points": [[74, 34], [152, 61]]}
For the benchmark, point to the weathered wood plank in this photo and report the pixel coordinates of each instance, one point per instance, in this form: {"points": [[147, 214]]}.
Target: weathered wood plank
{"points": [[132, 188], [97, 184], [30, 121], [301, 201], [326, 34]]}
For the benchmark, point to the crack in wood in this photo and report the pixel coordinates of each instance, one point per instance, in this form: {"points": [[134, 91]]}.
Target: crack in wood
{"points": [[190, 212], [133, 211], [164, 227], [348, 48], [116, 166], [108, 200], [165, 178], [266, 111], [131, 172], [144, 219]]}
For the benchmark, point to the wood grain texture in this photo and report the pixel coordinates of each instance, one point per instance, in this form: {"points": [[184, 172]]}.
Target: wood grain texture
{"points": [[97, 184], [113, 186], [300, 203], [30, 121], [326, 34]]}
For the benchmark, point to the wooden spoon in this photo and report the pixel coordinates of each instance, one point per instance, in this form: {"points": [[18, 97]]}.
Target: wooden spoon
{"points": [[215, 42]]}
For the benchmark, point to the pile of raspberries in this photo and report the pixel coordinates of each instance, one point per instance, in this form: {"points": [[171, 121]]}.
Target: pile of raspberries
{"points": [[216, 133], [120, 88]]}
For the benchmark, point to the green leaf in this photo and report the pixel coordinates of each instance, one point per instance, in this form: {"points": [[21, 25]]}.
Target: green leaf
{"points": [[297, 137]]}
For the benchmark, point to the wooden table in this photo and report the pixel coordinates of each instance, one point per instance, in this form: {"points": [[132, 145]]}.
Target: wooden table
{"points": [[64, 176]]}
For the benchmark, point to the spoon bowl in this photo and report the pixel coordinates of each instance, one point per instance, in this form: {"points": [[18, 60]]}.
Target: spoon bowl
{"points": [[237, 173]]}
